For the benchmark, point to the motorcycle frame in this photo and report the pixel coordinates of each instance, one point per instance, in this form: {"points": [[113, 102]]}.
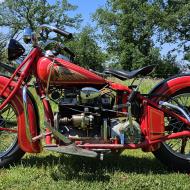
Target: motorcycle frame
{"points": [[28, 67]]}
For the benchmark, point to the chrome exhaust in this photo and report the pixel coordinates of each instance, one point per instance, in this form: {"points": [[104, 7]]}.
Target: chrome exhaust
{"points": [[166, 104]]}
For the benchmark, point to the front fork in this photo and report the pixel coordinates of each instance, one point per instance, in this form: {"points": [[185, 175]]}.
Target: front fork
{"points": [[25, 108], [47, 113]]}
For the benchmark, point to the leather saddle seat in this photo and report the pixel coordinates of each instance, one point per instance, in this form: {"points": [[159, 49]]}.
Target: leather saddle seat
{"points": [[124, 75]]}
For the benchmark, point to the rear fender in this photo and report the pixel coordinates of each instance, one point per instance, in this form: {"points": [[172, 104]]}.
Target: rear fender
{"points": [[170, 86], [153, 119], [33, 117]]}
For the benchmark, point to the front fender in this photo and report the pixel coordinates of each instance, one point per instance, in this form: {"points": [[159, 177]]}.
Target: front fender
{"points": [[170, 86], [17, 103]]}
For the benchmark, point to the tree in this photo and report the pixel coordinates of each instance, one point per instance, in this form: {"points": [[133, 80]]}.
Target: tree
{"points": [[3, 42], [88, 53], [167, 67], [174, 23], [19, 14], [187, 56], [128, 28], [16, 15]]}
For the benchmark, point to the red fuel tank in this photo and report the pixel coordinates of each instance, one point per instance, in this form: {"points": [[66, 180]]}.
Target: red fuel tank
{"points": [[65, 73]]}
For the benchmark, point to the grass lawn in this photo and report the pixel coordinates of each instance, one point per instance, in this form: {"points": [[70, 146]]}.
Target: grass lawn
{"points": [[132, 170]]}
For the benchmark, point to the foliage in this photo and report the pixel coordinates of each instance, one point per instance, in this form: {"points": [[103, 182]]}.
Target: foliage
{"points": [[129, 29], [187, 56], [167, 67], [17, 15], [88, 52], [174, 22], [3, 41], [22, 13]]}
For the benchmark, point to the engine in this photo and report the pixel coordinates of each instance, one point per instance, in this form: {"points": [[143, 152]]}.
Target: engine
{"points": [[87, 113], [83, 111]]}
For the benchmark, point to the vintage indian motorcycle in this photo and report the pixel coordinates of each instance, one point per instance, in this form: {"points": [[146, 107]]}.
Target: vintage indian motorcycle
{"points": [[95, 116]]}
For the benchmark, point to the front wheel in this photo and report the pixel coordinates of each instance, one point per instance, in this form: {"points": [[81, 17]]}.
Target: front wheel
{"points": [[175, 153], [9, 148]]}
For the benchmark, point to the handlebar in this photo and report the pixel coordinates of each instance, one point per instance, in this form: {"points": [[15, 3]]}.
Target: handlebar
{"points": [[63, 33], [57, 30]]}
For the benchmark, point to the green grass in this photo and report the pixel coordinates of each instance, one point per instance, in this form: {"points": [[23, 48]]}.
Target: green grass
{"points": [[134, 169]]}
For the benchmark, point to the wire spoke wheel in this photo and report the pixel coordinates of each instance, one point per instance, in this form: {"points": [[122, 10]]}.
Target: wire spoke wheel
{"points": [[180, 146], [175, 153], [8, 129], [10, 151]]}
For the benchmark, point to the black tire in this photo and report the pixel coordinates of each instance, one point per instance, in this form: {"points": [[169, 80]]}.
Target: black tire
{"points": [[9, 148], [175, 154], [15, 154]]}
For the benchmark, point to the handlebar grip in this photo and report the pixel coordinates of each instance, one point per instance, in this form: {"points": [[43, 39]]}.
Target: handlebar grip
{"points": [[63, 33], [58, 31]]}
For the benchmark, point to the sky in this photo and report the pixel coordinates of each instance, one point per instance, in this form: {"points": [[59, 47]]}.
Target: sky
{"points": [[86, 8]]}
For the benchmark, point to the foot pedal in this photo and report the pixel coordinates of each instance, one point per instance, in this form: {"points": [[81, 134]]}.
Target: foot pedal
{"points": [[73, 150]]}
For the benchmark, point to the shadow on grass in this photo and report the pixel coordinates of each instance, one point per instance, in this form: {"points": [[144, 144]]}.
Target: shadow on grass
{"points": [[88, 169]]}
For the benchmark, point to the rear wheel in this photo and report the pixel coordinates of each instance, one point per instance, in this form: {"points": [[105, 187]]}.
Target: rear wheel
{"points": [[175, 153], [9, 148]]}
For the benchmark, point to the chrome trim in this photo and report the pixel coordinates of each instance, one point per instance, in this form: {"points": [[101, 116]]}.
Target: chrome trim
{"points": [[49, 53], [27, 35], [88, 93], [166, 104], [48, 26], [26, 117]]}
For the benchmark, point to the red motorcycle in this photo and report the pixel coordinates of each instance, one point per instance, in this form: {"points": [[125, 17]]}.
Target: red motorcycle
{"points": [[95, 116]]}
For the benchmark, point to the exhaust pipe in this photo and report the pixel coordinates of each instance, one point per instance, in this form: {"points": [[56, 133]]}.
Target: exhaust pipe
{"points": [[166, 104]]}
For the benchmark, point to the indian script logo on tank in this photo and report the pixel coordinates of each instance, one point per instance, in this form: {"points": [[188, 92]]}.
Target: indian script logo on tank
{"points": [[62, 73]]}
